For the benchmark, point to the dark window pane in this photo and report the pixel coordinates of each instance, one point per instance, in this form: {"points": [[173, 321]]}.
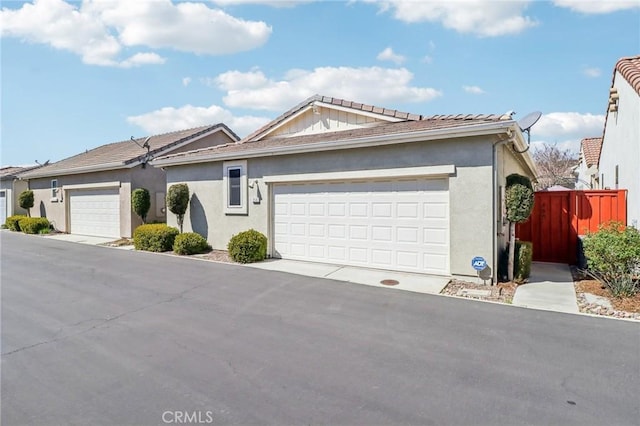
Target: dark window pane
{"points": [[234, 187]]}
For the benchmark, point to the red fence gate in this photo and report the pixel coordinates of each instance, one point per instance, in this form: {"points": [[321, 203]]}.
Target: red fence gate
{"points": [[560, 216]]}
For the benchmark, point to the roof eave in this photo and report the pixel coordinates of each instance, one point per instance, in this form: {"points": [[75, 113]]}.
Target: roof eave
{"points": [[378, 140]]}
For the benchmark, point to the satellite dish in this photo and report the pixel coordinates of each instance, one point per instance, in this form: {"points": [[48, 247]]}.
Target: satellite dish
{"points": [[529, 120], [525, 125], [591, 170]]}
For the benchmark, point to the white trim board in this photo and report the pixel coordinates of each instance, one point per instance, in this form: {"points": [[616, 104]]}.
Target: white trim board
{"points": [[405, 172], [115, 184]]}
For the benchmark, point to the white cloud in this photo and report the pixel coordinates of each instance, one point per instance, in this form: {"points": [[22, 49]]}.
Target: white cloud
{"points": [[486, 18], [389, 55], [272, 3], [592, 72], [427, 59], [568, 125], [98, 31], [474, 90], [169, 119], [186, 81], [373, 85], [597, 6]]}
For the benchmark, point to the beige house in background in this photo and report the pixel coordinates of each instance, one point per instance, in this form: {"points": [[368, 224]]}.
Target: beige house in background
{"points": [[90, 193], [10, 189], [345, 183]]}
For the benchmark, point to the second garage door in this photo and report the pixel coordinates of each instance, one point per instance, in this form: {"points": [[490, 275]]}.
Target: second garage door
{"points": [[399, 225], [95, 212]]}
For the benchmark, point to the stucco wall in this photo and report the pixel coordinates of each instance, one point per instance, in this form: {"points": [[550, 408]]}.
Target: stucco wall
{"points": [[471, 195], [621, 147], [13, 188], [56, 209]]}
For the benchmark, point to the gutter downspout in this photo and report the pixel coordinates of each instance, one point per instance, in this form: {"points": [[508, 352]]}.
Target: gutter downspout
{"points": [[497, 216]]}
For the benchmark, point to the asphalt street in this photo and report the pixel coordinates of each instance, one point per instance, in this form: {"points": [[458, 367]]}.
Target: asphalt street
{"points": [[95, 335]]}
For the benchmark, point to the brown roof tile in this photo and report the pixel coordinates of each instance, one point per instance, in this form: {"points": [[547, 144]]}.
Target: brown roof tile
{"points": [[629, 68], [353, 134], [11, 172], [591, 148], [119, 154]]}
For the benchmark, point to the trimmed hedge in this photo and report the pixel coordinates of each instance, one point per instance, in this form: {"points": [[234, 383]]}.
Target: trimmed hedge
{"points": [[34, 225], [13, 222], [248, 247], [190, 243], [523, 259], [154, 237]]}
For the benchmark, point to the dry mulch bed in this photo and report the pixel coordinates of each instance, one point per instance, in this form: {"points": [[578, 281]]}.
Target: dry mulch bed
{"points": [[627, 307], [501, 293]]}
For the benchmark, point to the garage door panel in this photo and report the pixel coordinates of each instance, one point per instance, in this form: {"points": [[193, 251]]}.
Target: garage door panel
{"points": [[386, 224], [95, 212]]}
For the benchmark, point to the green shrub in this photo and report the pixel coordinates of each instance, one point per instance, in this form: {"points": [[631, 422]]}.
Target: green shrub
{"points": [[33, 225], [141, 203], [156, 237], [178, 201], [190, 243], [523, 259], [516, 179], [248, 246], [613, 257], [519, 203], [26, 200], [13, 222]]}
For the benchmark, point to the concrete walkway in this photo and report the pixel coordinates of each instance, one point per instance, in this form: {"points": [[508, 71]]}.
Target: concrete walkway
{"points": [[86, 239], [550, 288], [418, 283]]}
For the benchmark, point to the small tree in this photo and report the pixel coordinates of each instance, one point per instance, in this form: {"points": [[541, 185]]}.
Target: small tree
{"points": [[178, 201], [26, 200], [519, 202], [141, 203], [554, 166]]}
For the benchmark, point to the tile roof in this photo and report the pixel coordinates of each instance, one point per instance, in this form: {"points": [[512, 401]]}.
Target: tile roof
{"points": [[591, 148], [10, 172], [120, 154], [403, 127], [333, 101], [629, 68]]}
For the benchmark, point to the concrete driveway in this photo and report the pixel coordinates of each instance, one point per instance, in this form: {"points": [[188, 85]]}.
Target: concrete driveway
{"points": [[96, 336]]}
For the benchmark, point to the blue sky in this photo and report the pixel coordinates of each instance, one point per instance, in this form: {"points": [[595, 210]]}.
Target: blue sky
{"points": [[76, 75]]}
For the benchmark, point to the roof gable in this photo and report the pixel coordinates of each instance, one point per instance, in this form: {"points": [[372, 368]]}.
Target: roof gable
{"points": [[590, 149], [127, 153], [322, 114]]}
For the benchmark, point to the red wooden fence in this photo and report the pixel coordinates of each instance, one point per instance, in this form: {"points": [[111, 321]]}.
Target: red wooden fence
{"points": [[560, 216]]}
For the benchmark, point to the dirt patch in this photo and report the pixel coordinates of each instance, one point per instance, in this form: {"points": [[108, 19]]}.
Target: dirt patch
{"points": [[501, 293], [216, 255], [119, 243]]}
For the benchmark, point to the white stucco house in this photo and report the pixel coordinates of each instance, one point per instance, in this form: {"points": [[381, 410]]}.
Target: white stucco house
{"points": [[587, 170], [345, 183], [90, 193], [619, 165]]}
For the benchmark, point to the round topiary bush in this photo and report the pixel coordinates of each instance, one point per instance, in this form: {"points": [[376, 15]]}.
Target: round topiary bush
{"points": [[248, 247], [154, 237], [190, 243]]}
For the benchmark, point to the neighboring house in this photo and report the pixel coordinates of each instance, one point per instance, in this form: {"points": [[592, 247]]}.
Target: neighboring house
{"points": [[340, 182], [588, 164], [10, 189], [618, 167], [90, 193]]}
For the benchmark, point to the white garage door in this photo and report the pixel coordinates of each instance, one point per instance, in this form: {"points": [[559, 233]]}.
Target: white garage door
{"points": [[95, 212], [398, 225], [3, 207]]}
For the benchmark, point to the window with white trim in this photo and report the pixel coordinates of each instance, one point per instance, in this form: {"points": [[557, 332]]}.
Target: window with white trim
{"points": [[54, 188], [235, 187]]}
